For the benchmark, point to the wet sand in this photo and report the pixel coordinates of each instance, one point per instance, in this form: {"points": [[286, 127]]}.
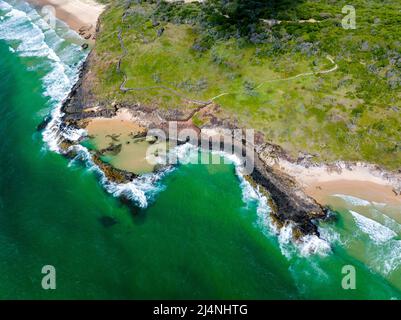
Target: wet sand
{"points": [[79, 15], [374, 192], [380, 197], [359, 180], [129, 148]]}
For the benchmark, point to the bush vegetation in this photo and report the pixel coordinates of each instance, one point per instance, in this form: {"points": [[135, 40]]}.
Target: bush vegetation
{"points": [[203, 50]]}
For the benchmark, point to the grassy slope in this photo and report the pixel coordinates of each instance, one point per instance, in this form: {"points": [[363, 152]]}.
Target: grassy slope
{"points": [[350, 114]]}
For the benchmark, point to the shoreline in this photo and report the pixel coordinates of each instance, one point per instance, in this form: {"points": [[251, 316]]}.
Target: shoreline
{"points": [[285, 179], [362, 180], [314, 185], [366, 190], [297, 187], [321, 180], [80, 15]]}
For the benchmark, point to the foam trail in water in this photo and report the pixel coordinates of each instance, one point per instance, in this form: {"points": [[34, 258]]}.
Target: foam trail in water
{"points": [[376, 231], [353, 200], [30, 36], [390, 258], [384, 254], [305, 246], [27, 33], [140, 190]]}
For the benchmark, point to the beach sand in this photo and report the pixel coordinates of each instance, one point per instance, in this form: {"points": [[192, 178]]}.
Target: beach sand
{"points": [[363, 189], [358, 180], [79, 15], [371, 187], [318, 182], [123, 131]]}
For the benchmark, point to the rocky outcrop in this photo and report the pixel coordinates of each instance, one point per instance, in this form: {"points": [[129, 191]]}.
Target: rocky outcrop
{"points": [[288, 201], [81, 103], [112, 149], [111, 173]]}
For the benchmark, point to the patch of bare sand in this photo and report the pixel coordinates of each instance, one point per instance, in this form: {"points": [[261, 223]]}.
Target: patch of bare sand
{"points": [[79, 15], [122, 133], [359, 180], [374, 192]]}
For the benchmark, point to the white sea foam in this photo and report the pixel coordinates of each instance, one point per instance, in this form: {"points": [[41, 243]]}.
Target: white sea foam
{"points": [[390, 258], [30, 36], [386, 221], [384, 254], [305, 246], [312, 244], [376, 231], [329, 233], [353, 200], [140, 190], [379, 204]]}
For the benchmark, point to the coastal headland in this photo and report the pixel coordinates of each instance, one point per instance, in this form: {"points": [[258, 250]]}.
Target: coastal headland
{"points": [[298, 186]]}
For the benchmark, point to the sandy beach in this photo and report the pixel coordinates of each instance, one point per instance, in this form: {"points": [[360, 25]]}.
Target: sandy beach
{"points": [[379, 193], [359, 180], [123, 141], [319, 182], [79, 15]]}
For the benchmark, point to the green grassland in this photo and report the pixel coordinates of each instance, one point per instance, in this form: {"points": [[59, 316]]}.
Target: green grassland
{"points": [[352, 113]]}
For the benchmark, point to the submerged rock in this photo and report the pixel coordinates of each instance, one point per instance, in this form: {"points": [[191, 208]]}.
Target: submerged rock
{"points": [[107, 221], [113, 149], [66, 148], [111, 173], [41, 126]]}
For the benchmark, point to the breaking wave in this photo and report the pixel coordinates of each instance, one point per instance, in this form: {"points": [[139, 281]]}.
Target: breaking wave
{"points": [[305, 246], [141, 190], [31, 37], [385, 248], [376, 231], [353, 200]]}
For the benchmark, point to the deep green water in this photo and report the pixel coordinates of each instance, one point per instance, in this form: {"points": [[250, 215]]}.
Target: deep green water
{"points": [[198, 238]]}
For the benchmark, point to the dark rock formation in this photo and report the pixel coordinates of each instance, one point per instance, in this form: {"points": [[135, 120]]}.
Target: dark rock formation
{"points": [[107, 221], [111, 173], [288, 201], [41, 126], [81, 98], [112, 149]]}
